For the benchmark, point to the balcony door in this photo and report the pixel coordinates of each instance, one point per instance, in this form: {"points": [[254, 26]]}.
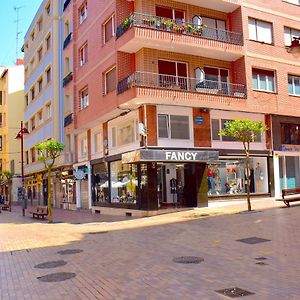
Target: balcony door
{"points": [[215, 28], [217, 79], [169, 13], [172, 74]]}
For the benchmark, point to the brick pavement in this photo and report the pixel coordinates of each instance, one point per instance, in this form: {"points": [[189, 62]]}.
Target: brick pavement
{"points": [[134, 258]]}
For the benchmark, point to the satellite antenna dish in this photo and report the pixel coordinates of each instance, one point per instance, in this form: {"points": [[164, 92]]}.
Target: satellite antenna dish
{"points": [[200, 74]]}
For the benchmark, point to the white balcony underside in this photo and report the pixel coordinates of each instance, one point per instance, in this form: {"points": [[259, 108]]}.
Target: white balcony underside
{"points": [[219, 5], [222, 53]]}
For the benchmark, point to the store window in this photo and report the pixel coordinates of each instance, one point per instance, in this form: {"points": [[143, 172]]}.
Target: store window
{"points": [[260, 31], [290, 134], [100, 179], [263, 80], [173, 127], [124, 182], [229, 176], [294, 85]]}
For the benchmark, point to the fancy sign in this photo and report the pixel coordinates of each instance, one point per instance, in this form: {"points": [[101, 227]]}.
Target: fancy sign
{"points": [[180, 155]]}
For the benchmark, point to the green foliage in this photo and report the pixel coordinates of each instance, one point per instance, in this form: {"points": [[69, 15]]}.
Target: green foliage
{"points": [[244, 131], [48, 151], [6, 175]]}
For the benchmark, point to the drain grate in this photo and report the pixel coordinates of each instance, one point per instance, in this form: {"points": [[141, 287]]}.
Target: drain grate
{"points": [[69, 251], [51, 264], [188, 259], [261, 263], [98, 232], [260, 258], [253, 240], [56, 277], [234, 292]]}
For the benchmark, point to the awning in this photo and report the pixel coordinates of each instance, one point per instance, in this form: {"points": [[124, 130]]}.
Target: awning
{"points": [[149, 155]]}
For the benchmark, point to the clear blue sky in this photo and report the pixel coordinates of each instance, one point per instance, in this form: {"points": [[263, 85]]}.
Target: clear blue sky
{"points": [[8, 27]]}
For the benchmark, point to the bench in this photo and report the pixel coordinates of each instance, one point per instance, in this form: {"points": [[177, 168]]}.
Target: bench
{"points": [[290, 195], [39, 211]]}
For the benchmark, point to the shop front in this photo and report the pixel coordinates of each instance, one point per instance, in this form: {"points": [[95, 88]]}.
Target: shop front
{"points": [[151, 179]]}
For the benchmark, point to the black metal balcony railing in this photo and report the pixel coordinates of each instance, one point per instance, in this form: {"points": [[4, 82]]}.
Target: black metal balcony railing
{"points": [[179, 27], [67, 79], [186, 84], [67, 2], [67, 40], [68, 120]]}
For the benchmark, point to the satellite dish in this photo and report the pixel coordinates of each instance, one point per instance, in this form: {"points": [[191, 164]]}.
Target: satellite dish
{"points": [[200, 74], [197, 20]]}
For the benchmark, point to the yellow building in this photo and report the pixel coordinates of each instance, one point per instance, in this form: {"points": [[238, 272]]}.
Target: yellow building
{"points": [[11, 113]]}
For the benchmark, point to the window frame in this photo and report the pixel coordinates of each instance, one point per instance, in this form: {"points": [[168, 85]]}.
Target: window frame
{"points": [[105, 80], [83, 99], [293, 77], [113, 33], [259, 89], [82, 12], [83, 54], [256, 39]]}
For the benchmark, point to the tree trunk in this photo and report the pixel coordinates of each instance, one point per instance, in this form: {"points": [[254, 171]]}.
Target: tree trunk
{"points": [[9, 194], [49, 202], [248, 178]]}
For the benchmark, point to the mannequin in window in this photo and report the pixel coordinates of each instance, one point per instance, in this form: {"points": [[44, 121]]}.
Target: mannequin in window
{"points": [[209, 179], [239, 180], [217, 179], [258, 177]]}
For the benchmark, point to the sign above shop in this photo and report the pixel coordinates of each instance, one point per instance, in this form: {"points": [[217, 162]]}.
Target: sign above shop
{"points": [[199, 120], [149, 155], [295, 148]]}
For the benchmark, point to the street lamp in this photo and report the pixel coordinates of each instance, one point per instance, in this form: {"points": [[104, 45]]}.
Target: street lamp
{"points": [[294, 49], [20, 135]]}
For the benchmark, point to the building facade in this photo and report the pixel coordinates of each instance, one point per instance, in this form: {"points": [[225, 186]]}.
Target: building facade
{"points": [[148, 85], [44, 105], [11, 113]]}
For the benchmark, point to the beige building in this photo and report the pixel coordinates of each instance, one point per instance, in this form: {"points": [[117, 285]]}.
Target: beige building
{"points": [[11, 113]]}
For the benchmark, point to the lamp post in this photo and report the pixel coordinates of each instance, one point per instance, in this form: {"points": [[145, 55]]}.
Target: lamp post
{"points": [[294, 49], [20, 135]]}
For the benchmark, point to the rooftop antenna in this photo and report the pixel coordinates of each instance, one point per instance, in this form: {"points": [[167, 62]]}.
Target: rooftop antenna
{"points": [[17, 8]]}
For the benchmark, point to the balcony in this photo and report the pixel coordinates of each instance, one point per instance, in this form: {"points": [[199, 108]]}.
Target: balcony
{"points": [[148, 31], [183, 84], [67, 40], [68, 120], [219, 5], [68, 78], [66, 4]]}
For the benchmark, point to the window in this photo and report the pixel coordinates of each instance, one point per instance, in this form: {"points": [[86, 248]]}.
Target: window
{"points": [[1, 97], [48, 74], [83, 147], [32, 35], [40, 53], [97, 137], [124, 133], [290, 134], [40, 84], [83, 54], [263, 80], [40, 117], [169, 13], [12, 166], [48, 42], [40, 24], [297, 2], [1, 120], [26, 100], [26, 73], [32, 92], [84, 98], [218, 25], [109, 29], [48, 111], [32, 121], [1, 143], [48, 9], [32, 152], [173, 127], [32, 63], [260, 31], [82, 13], [289, 34], [218, 124], [294, 85], [110, 80]]}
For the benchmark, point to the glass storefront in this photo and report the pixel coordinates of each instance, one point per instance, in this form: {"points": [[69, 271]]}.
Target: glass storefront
{"points": [[100, 191], [289, 174], [123, 182], [228, 176]]}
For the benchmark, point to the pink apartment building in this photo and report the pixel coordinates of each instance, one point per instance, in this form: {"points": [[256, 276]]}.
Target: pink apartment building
{"points": [[149, 84]]}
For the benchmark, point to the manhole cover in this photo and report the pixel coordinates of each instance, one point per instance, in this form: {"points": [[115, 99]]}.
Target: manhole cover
{"points": [[98, 232], [260, 258], [69, 251], [234, 292], [188, 260], [51, 264], [261, 263], [56, 277], [253, 240]]}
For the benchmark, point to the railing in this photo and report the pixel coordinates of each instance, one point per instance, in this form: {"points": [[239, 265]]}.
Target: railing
{"points": [[67, 2], [186, 84], [67, 40], [67, 79], [68, 120], [179, 27]]}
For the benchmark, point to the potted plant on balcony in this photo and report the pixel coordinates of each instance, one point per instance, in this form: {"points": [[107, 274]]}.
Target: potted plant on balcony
{"points": [[126, 23], [169, 24], [190, 28], [152, 21]]}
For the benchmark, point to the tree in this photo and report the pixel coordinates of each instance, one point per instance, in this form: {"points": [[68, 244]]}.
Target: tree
{"points": [[245, 131], [48, 151], [7, 176]]}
